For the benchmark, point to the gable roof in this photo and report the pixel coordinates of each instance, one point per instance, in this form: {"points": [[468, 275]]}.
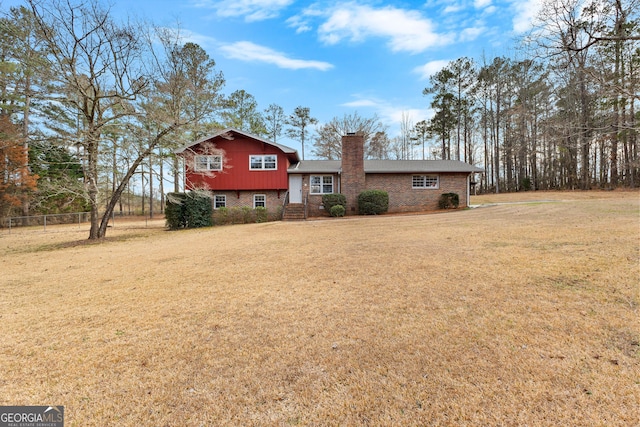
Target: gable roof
{"points": [[387, 166], [231, 134]]}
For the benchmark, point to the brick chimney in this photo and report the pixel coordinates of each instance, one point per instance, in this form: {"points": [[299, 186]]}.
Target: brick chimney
{"points": [[352, 180]]}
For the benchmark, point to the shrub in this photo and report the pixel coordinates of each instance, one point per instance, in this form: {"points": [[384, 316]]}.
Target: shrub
{"points": [[247, 214], [262, 215], [235, 215], [198, 210], [221, 215], [174, 211], [525, 183], [337, 210], [448, 201], [331, 200], [188, 210], [373, 202]]}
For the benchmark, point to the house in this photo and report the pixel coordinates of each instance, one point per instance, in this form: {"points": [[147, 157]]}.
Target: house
{"points": [[240, 169], [245, 170]]}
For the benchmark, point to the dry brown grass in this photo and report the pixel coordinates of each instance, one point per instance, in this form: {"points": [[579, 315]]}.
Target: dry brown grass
{"points": [[523, 314]]}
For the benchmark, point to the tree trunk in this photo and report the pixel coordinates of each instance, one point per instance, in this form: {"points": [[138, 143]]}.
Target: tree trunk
{"points": [[150, 185], [161, 182], [25, 136], [176, 174], [92, 187], [127, 177]]}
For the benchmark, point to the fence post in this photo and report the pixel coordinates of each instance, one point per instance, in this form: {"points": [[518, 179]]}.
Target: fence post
{"points": [[45, 223], [9, 225]]}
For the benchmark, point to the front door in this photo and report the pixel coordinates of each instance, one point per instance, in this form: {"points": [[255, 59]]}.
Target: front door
{"points": [[295, 188]]}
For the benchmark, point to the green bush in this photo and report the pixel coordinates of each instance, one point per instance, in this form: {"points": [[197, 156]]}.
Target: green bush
{"points": [[188, 210], [221, 216], [235, 215], [261, 214], [174, 211], [449, 200], [373, 202], [337, 210], [525, 183], [247, 214], [198, 210], [331, 200]]}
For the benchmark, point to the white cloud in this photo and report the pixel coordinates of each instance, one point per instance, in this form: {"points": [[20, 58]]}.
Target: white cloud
{"points": [[300, 24], [360, 103], [479, 4], [525, 13], [414, 115], [199, 39], [471, 33], [406, 30], [430, 68], [252, 10], [251, 52], [452, 8], [489, 10], [390, 114]]}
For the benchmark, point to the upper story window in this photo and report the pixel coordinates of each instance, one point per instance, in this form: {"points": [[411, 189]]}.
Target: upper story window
{"points": [[265, 162], [425, 181], [208, 163], [321, 184]]}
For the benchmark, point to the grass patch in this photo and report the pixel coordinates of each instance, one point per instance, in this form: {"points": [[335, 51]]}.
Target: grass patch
{"points": [[507, 315]]}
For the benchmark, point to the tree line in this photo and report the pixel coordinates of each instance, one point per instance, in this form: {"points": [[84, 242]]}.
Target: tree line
{"points": [[562, 115], [91, 107]]}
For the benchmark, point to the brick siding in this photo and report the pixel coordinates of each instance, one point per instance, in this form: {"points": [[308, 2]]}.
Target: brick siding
{"points": [[314, 201], [245, 198], [353, 176], [404, 198]]}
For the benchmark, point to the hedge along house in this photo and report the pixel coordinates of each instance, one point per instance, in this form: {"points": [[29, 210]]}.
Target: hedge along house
{"points": [[412, 185], [241, 170]]}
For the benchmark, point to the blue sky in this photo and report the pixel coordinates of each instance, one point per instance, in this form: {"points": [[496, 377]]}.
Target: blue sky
{"points": [[338, 57]]}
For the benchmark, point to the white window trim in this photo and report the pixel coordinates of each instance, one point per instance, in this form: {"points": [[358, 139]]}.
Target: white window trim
{"points": [[426, 187], [215, 202], [210, 161], [262, 162], [259, 195], [333, 184]]}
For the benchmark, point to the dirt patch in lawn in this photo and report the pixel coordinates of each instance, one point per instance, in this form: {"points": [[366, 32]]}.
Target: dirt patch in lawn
{"points": [[520, 314]]}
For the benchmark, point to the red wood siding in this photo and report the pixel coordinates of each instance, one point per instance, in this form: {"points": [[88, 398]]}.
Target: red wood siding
{"points": [[236, 174]]}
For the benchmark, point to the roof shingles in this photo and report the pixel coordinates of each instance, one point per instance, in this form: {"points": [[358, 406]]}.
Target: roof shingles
{"points": [[387, 166]]}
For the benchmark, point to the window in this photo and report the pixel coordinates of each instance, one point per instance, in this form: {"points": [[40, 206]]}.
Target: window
{"points": [[208, 163], [220, 202], [259, 201], [322, 184], [267, 162], [425, 181]]}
